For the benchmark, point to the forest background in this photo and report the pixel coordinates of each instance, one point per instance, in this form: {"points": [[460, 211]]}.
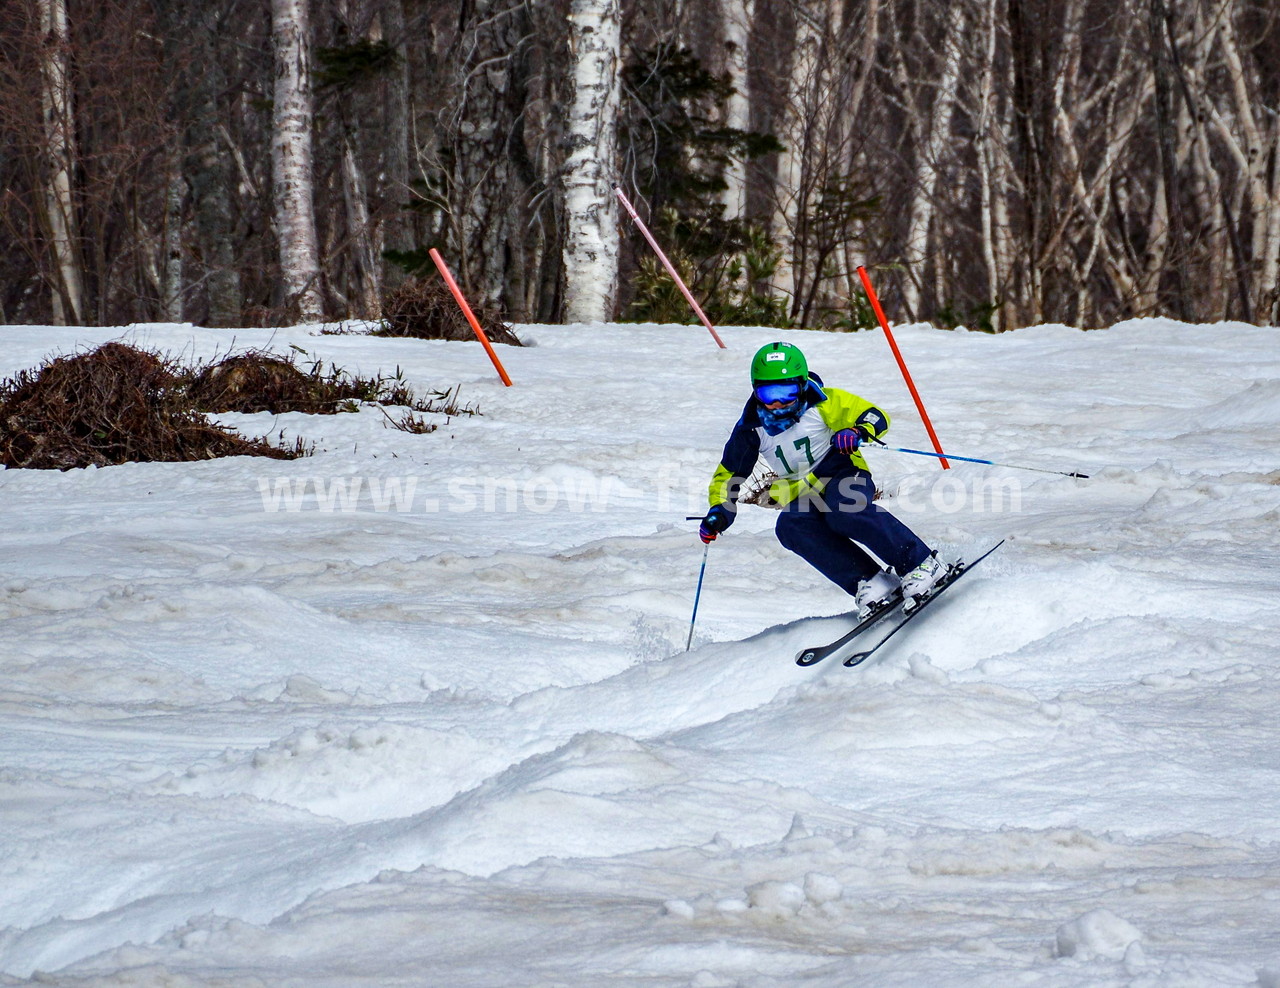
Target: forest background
{"points": [[996, 163]]}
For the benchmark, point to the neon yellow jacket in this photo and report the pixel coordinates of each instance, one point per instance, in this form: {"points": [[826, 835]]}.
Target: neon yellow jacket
{"points": [[801, 455]]}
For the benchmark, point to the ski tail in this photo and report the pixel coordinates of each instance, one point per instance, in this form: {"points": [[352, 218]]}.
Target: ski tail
{"points": [[812, 656]]}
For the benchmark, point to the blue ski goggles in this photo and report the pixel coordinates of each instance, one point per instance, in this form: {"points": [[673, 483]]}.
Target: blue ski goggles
{"points": [[777, 391]]}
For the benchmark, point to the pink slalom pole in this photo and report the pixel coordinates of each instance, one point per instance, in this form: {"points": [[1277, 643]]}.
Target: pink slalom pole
{"points": [[471, 318], [902, 365], [644, 230]]}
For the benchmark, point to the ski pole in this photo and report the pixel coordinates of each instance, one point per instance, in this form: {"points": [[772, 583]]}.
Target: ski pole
{"points": [[697, 596], [974, 459]]}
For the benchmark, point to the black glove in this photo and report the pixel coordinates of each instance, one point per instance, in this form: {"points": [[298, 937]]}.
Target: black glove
{"points": [[717, 520]]}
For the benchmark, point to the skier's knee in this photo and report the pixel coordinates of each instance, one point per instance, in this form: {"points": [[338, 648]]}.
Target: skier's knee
{"points": [[793, 532]]}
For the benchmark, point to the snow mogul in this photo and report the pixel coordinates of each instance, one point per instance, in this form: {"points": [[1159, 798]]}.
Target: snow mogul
{"points": [[810, 436]]}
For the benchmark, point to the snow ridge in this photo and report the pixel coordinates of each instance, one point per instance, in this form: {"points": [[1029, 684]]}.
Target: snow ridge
{"points": [[453, 737]]}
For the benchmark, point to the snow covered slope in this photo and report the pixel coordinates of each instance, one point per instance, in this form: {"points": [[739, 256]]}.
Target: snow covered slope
{"points": [[417, 710]]}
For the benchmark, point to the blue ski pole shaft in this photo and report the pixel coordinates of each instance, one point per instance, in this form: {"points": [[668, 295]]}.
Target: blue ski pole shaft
{"points": [[697, 595], [974, 459]]}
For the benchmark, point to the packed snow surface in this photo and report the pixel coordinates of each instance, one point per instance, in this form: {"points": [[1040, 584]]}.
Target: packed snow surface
{"points": [[417, 709]]}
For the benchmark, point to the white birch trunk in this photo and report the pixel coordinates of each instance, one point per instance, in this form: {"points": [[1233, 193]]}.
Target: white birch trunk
{"points": [[987, 166], [591, 209], [1206, 183], [293, 193], [866, 58], [1147, 295], [1092, 199], [361, 236], [1260, 145], [59, 148], [171, 290], [870, 40], [932, 148], [795, 139], [1002, 226], [736, 16]]}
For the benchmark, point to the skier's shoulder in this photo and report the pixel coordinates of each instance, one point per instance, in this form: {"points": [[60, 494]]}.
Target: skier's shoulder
{"points": [[750, 417], [844, 397], [844, 409], [743, 444]]}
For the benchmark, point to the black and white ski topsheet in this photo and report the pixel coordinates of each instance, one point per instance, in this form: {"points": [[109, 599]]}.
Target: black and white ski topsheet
{"points": [[811, 656], [893, 606]]}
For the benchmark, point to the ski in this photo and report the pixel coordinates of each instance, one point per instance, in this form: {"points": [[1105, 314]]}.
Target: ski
{"points": [[811, 656], [954, 573]]}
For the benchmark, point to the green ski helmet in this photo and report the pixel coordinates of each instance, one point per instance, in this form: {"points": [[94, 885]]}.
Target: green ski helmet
{"points": [[779, 362]]}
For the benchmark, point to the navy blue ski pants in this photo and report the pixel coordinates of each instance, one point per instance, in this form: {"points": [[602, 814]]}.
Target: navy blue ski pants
{"points": [[829, 531]]}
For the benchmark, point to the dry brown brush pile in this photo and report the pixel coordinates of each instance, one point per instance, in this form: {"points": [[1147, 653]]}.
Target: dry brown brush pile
{"points": [[427, 309], [258, 381], [115, 404]]}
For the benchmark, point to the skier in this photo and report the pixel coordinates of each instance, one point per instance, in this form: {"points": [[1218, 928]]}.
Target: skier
{"points": [[810, 435]]}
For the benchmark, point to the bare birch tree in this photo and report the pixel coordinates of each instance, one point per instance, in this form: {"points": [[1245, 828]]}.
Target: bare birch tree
{"points": [[291, 159], [822, 195], [1254, 142], [59, 162], [736, 17], [591, 213], [931, 150], [998, 162], [171, 295], [992, 166], [798, 132]]}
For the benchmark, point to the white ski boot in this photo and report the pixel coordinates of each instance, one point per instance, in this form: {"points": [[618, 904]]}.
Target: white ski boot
{"points": [[922, 579], [876, 593]]}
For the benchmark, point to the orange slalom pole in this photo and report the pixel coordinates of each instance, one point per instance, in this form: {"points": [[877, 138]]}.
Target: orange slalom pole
{"points": [[688, 295], [471, 318], [902, 365]]}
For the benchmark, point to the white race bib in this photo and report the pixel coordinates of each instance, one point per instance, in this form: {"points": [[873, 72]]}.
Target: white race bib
{"points": [[792, 454]]}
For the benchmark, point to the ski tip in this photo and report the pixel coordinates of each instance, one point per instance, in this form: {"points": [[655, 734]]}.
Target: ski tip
{"points": [[806, 658], [960, 565]]}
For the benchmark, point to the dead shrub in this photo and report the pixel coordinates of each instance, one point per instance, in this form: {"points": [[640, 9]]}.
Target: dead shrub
{"points": [[258, 381], [115, 404], [426, 309], [757, 490], [447, 403], [408, 422]]}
